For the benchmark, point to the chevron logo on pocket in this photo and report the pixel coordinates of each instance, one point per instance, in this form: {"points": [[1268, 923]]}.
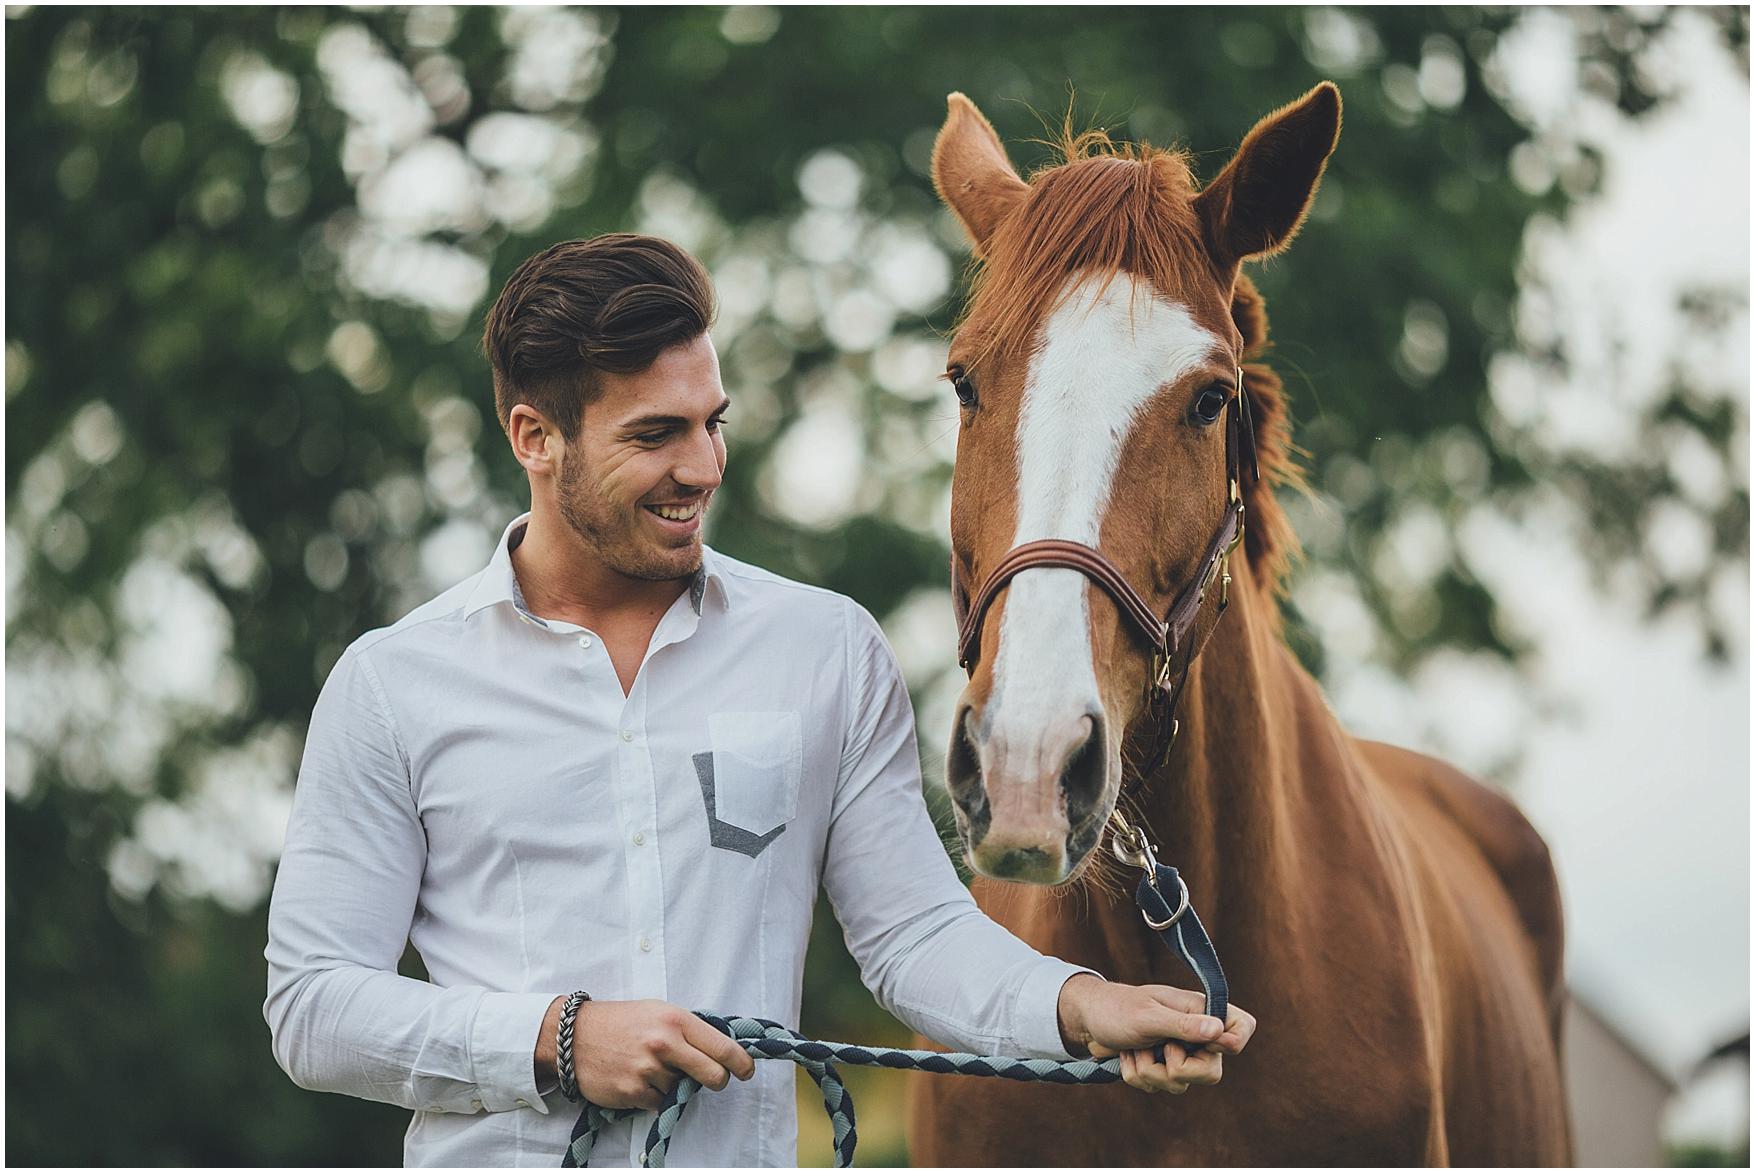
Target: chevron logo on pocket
{"points": [[721, 833]]}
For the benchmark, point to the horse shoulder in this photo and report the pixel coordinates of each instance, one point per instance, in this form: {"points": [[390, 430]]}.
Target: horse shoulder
{"points": [[1435, 791]]}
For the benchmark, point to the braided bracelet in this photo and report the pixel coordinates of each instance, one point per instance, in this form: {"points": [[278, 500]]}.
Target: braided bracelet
{"points": [[564, 1045]]}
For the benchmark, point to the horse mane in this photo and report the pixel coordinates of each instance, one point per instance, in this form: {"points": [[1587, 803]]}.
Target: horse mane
{"points": [[1269, 540], [1113, 208]]}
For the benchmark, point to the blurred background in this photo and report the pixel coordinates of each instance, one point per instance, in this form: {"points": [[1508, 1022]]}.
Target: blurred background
{"points": [[248, 256]]}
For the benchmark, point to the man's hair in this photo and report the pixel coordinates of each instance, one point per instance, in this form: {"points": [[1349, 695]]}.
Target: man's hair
{"points": [[582, 307]]}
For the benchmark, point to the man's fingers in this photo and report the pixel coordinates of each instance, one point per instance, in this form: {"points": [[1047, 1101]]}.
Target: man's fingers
{"points": [[1154, 1066], [1239, 1023], [1203, 1067], [1239, 1029], [1165, 1023], [1130, 1072], [725, 1050], [684, 1057], [1140, 1070], [1170, 1068], [1187, 1001]]}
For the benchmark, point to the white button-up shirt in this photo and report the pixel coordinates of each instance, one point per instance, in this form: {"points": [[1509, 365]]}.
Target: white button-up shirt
{"points": [[475, 781]]}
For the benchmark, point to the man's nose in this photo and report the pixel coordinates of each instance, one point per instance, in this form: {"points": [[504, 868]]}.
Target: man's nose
{"points": [[700, 466]]}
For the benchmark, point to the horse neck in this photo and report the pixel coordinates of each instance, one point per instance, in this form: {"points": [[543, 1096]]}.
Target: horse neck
{"points": [[1259, 770]]}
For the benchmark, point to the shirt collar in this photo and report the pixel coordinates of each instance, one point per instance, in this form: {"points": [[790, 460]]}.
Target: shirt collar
{"points": [[498, 583]]}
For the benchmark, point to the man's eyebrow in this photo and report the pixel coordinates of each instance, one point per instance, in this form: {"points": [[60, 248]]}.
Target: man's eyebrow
{"points": [[670, 421]]}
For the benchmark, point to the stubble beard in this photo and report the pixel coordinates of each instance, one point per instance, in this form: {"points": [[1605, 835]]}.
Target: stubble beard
{"points": [[615, 537]]}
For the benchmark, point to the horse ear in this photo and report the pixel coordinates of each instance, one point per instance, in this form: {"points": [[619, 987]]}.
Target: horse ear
{"points": [[1255, 206], [971, 171]]}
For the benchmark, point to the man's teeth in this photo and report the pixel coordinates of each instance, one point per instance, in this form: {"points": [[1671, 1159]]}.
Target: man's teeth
{"points": [[677, 512]]}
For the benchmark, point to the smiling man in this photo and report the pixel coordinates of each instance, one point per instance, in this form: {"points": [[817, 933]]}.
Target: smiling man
{"points": [[598, 784]]}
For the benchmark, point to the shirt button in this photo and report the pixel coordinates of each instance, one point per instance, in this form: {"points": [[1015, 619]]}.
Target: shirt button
{"points": [[645, 944], [627, 735], [584, 641], [639, 838], [523, 1104], [476, 1104]]}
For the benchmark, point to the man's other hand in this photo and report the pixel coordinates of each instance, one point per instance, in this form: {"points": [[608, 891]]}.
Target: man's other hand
{"points": [[1109, 1018], [631, 1054]]}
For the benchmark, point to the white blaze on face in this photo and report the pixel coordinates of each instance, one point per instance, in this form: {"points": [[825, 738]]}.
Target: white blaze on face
{"points": [[1105, 354]]}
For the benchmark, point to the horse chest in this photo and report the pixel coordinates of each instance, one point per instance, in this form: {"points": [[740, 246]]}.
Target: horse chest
{"points": [[1341, 1071], [1327, 1120]]}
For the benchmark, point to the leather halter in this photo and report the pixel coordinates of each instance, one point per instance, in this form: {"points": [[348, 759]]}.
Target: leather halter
{"points": [[1173, 653]]}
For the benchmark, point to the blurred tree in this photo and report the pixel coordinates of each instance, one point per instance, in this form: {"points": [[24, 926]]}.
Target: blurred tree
{"points": [[248, 417]]}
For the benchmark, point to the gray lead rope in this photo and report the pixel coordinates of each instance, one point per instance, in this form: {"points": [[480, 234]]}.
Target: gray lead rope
{"points": [[1176, 925], [769, 1040]]}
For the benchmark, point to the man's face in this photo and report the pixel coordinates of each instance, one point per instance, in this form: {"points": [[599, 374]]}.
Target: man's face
{"points": [[635, 482]]}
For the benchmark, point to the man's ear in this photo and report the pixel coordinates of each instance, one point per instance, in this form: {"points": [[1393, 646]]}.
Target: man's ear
{"points": [[971, 171], [533, 438], [1255, 206]]}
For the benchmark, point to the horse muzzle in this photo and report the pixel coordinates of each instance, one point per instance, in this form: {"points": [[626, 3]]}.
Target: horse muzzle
{"points": [[1027, 793]]}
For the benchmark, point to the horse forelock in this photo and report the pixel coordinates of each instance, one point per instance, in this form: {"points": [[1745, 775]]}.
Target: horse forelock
{"points": [[1110, 210], [1105, 210]]}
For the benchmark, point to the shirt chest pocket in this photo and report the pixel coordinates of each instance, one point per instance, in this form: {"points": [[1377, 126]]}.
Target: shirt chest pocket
{"points": [[749, 780]]}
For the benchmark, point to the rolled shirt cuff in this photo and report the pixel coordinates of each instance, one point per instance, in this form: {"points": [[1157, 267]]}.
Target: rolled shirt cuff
{"points": [[502, 1050], [1036, 1028]]}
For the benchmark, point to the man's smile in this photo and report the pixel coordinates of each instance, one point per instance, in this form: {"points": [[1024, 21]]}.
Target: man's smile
{"points": [[679, 516]]}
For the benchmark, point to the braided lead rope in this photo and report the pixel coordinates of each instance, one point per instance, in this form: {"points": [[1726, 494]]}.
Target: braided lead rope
{"points": [[763, 1039]]}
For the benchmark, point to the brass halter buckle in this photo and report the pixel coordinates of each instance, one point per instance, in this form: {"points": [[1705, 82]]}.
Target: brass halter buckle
{"points": [[1223, 567], [1220, 567], [1160, 674]]}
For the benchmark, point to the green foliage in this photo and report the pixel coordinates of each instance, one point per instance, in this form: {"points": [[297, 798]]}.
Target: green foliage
{"points": [[1708, 1156], [243, 380]]}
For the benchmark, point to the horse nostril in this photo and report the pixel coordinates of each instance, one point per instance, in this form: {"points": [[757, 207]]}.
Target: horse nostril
{"points": [[1083, 776], [963, 764]]}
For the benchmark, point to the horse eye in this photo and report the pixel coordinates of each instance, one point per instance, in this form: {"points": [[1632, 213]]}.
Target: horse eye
{"points": [[1211, 404], [964, 386]]}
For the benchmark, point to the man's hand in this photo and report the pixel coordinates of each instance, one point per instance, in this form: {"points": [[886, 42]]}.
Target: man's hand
{"points": [[631, 1054], [1108, 1018]]}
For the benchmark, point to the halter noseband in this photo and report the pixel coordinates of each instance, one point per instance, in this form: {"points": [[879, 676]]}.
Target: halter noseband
{"points": [[1172, 651]]}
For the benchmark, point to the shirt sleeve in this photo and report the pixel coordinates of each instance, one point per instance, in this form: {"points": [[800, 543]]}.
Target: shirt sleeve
{"points": [[925, 950], [340, 1016]]}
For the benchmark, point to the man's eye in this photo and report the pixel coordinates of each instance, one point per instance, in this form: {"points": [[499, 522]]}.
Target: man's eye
{"points": [[652, 437], [713, 425]]}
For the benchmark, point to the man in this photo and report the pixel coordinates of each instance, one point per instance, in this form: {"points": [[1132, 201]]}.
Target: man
{"points": [[617, 761]]}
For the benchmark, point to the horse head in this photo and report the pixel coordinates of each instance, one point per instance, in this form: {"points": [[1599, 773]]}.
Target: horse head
{"points": [[1104, 341]]}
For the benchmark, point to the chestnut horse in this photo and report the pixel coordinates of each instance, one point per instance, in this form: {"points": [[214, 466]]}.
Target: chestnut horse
{"points": [[1393, 925]]}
